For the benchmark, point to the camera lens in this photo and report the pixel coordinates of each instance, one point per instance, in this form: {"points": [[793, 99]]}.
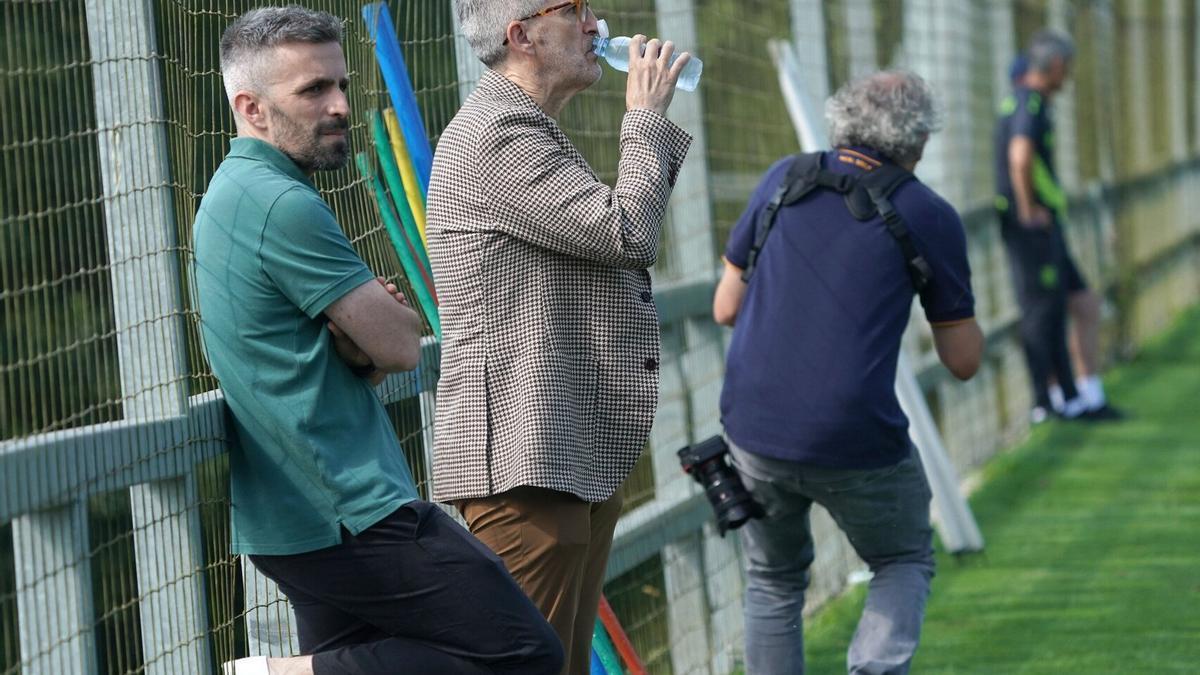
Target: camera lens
{"points": [[731, 501]]}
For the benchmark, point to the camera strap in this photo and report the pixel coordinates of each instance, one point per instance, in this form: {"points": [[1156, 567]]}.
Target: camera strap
{"points": [[866, 195]]}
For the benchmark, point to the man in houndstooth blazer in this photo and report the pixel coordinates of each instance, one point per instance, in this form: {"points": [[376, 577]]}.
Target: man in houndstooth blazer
{"points": [[550, 348]]}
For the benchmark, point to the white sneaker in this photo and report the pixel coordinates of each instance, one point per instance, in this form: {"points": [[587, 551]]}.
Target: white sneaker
{"points": [[251, 665], [1074, 408], [1057, 401], [1038, 415]]}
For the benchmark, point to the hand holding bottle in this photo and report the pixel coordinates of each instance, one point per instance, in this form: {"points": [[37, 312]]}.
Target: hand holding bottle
{"points": [[652, 74], [616, 51]]}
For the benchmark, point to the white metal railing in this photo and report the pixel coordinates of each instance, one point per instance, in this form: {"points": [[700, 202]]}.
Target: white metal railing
{"points": [[46, 480], [50, 527]]}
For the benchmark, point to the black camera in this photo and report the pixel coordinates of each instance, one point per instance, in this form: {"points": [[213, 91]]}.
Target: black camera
{"points": [[732, 502]]}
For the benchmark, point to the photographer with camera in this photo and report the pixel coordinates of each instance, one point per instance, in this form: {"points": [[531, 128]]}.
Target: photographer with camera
{"points": [[820, 273]]}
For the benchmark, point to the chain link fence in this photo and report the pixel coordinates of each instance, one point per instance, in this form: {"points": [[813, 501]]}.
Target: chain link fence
{"points": [[114, 536]]}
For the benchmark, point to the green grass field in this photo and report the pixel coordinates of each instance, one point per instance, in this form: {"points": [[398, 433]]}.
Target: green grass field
{"points": [[1093, 543]]}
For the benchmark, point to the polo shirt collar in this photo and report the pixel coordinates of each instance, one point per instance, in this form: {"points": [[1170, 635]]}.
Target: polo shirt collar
{"points": [[864, 152], [253, 148], [850, 157]]}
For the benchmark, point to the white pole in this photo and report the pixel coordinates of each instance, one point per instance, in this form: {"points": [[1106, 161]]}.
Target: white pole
{"points": [[956, 524]]}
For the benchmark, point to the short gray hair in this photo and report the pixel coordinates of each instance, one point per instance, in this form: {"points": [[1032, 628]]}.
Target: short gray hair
{"points": [[260, 30], [483, 23], [1048, 46], [892, 112]]}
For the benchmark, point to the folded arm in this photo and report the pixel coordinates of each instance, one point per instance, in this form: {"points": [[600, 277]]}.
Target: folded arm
{"points": [[380, 325]]}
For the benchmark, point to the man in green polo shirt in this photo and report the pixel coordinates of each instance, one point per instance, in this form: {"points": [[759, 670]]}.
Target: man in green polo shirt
{"points": [[298, 330]]}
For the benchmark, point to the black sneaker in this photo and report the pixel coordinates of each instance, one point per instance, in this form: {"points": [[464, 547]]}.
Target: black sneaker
{"points": [[1105, 413]]}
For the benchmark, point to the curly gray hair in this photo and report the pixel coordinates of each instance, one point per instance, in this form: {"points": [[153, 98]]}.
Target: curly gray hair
{"points": [[251, 34], [892, 112], [484, 21]]}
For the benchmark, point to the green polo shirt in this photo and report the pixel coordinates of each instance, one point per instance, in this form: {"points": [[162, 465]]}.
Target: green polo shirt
{"points": [[314, 450]]}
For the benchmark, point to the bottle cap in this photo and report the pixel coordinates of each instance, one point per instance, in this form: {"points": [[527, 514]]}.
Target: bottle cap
{"points": [[602, 27]]}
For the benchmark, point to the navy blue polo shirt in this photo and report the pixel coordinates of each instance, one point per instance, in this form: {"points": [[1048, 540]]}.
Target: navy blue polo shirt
{"points": [[812, 366]]}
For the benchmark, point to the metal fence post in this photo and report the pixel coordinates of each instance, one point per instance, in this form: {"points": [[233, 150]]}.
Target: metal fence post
{"points": [[147, 309], [691, 258], [993, 288], [808, 34], [1085, 229], [54, 592], [1066, 138], [1136, 103], [1177, 85], [1104, 103], [1004, 47], [1109, 112], [859, 17], [470, 69], [1195, 56], [270, 622], [691, 229], [937, 47]]}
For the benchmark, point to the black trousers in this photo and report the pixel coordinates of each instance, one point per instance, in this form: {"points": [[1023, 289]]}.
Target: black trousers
{"points": [[1038, 261], [415, 593]]}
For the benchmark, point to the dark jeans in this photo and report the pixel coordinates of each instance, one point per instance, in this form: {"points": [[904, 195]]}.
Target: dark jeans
{"points": [[885, 514], [415, 593], [1041, 274]]}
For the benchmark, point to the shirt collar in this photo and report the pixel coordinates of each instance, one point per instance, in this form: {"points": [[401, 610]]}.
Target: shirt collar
{"points": [[256, 149], [858, 156]]}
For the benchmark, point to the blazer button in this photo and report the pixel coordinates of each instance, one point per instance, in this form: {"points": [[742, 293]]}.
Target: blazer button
{"points": [[646, 296], [651, 364]]}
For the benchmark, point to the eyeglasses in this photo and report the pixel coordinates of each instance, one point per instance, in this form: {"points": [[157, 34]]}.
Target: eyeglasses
{"points": [[582, 7]]}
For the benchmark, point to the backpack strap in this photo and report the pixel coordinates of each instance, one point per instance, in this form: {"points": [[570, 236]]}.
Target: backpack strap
{"points": [[879, 185], [800, 179], [866, 195]]}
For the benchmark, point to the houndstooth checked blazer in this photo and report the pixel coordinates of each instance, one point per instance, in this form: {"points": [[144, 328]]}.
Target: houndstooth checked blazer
{"points": [[549, 332]]}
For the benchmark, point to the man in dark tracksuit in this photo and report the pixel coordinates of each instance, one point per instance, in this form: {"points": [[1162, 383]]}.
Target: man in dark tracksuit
{"points": [[1030, 202]]}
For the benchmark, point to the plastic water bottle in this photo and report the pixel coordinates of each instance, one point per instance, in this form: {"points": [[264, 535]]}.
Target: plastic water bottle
{"points": [[616, 52]]}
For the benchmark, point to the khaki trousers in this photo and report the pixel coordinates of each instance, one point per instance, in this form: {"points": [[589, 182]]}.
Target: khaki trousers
{"points": [[556, 547]]}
